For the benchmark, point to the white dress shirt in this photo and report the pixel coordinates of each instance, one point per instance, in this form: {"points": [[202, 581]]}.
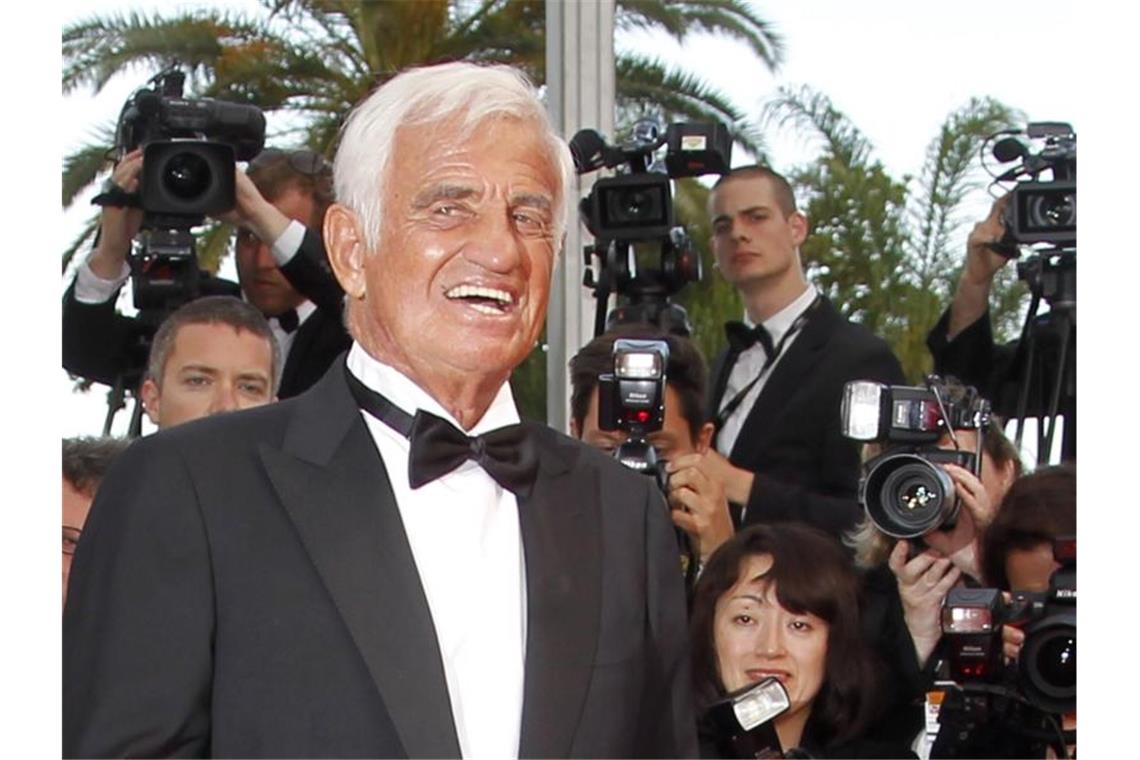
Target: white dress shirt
{"points": [[749, 364], [464, 533]]}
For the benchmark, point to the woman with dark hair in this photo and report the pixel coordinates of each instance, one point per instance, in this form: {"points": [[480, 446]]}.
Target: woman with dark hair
{"points": [[782, 601]]}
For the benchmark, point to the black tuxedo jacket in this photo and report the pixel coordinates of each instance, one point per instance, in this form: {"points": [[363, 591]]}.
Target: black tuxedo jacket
{"points": [[100, 344], [244, 587], [791, 439]]}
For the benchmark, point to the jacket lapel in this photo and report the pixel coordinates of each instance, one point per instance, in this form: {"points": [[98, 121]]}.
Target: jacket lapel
{"points": [[561, 532], [333, 484], [788, 377]]}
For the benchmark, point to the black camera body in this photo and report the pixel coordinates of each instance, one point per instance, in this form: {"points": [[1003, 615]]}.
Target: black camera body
{"points": [[190, 149], [1041, 210], [634, 210], [994, 703], [632, 399], [904, 490]]}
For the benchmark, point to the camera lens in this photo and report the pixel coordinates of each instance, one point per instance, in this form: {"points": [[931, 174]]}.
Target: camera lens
{"points": [[635, 206], [907, 496], [1049, 662], [1051, 211], [186, 176]]}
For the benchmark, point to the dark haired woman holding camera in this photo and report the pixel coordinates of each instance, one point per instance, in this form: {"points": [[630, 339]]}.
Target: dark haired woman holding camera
{"points": [[781, 601]]}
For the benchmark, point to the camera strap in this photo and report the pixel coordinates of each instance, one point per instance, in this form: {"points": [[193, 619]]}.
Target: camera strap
{"points": [[726, 412]]}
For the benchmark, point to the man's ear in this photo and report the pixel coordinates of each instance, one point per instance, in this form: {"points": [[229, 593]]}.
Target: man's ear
{"points": [[151, 398], [705, 437], [799, 224], [344, 241]]}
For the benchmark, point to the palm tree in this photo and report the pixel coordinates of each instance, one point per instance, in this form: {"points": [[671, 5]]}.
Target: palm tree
{"points": [[312, 60], [882, 248]]}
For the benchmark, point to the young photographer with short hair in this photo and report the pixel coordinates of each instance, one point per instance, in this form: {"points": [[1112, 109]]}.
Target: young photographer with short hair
{"points": [[699, 506]]}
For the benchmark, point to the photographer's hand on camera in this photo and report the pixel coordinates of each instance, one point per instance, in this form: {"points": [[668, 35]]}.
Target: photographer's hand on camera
{"points": [[737, 482], [118, 225], [982, 264], [923, 582], [961, 544], [700, 507], [253, 212]]}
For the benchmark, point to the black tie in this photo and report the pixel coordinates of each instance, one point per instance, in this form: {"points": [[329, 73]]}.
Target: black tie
{"points": [[288, 320], [741, 337], [438, 447]]}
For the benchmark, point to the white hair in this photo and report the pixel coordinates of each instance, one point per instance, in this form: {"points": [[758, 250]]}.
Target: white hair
{"points": [[469, 92]]}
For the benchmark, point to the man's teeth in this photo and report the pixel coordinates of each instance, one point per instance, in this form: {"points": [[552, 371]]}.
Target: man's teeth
{"points": [[477, 291]]}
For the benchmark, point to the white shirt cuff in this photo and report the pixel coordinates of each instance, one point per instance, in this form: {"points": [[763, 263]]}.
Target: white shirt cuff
{"points": [[90, 288], [287, 244]]}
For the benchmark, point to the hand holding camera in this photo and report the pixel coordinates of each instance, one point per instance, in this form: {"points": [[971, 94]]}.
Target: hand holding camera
{"points": [[700, 507], [118, 225], [923, 582]]}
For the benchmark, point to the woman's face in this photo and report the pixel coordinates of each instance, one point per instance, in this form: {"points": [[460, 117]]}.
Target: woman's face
{"points": [[755, 638]]}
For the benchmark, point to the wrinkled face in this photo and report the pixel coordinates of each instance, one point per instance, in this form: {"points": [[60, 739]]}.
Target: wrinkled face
{"points": [[1030, 569], [756, 638], [996, 480], [261, 279], [671, 441], [212, 368], [753, 240], [76, 505], [460, 281]]}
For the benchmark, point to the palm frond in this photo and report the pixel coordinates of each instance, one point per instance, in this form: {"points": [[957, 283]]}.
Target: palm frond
{"points": [[729, 18], [810, 110], [82, 168]]}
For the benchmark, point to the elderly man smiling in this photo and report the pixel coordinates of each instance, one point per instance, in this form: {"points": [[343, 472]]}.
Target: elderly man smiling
{"points": [[391, 564]]}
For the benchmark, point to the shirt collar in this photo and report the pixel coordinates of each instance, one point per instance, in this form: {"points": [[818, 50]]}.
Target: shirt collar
{"points": [[404, 393], [778, 323]]}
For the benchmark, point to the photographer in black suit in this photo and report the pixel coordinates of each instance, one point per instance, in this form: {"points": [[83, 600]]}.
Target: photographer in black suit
{"points": [[281, 262], [777, 389]]}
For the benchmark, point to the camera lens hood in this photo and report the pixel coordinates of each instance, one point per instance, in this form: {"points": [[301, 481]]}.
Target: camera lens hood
{"points": [[906, 495], [1048, 662]]}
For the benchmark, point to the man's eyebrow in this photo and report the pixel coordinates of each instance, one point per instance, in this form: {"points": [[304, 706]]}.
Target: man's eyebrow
{"points": [[261, 377], [441, 193], [540, 201], [203, 368], [749, 210]]}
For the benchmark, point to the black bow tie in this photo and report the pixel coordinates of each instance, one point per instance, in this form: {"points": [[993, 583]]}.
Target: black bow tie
{"points": [[741, 337], [438, 447], [288, 320]]}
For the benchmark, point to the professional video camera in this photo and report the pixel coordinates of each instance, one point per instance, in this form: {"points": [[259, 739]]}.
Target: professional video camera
{"points": [[1014, 706], [1041, 216], [904, 490], [635, 209], [1040, 211], [190, 147]]}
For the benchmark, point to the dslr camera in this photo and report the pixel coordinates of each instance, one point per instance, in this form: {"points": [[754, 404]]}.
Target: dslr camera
{"points": [[634, 210], [190, 150], [1011, 711], [632, 399], [903, 489]]}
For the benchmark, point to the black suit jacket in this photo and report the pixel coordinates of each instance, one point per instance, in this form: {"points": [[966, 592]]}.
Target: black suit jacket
{"points": [[244, 587], [100, 344], [804, 468]]}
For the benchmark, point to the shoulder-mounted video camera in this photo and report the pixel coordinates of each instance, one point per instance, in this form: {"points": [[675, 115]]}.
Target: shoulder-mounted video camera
{"points": [[904, 490], [190, 149], [636, 208]]}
